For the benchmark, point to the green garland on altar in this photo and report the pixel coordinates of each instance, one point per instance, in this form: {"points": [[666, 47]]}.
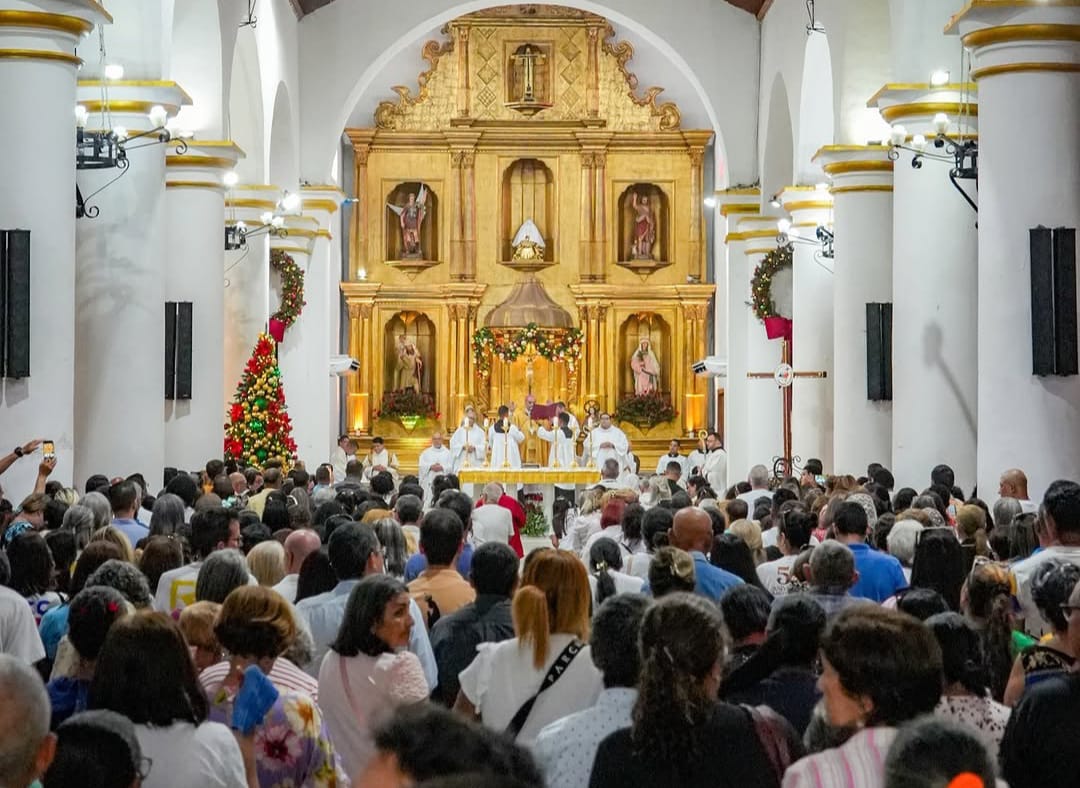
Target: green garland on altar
{"points": [[551, 344], [292, 287], [761, 282]]}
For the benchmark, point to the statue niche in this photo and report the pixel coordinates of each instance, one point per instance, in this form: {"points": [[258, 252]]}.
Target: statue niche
{"points": [[528, 194], [528, 77], [409, 353], [412, 211], [645, 355], [644, 227]]}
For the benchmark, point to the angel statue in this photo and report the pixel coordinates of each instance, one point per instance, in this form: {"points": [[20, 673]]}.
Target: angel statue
{"points": [[411, 216], [644, 227], [646, 368]]}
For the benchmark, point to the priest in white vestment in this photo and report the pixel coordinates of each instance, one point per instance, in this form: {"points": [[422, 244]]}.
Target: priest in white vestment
{"points": [[607, 442], [673, 455], [434, 460], [380, 459], [562, 451], [715, 467], [340, 456], [467, 445], [505, 439]]}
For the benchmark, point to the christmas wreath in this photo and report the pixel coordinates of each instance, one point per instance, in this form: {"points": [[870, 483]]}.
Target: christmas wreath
{"points": [[549, 344], [292, 288], [761, 282]]}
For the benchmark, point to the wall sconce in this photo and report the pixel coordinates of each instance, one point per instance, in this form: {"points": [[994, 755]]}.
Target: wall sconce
{"points": [[962, 154]]}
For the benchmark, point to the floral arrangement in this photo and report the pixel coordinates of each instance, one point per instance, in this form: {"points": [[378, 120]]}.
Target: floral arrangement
{"points": [[645, 410], [551, 344], [259, 427], [536, 523], [292, 287], [403, 403], [761, 282]]}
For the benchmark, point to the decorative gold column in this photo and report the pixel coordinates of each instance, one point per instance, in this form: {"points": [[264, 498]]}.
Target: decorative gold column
{"points": [[468, 172], [585, 225], [461, 43], [358, 253], [695, 408], [697, 218], [600, 234], [360, 298], [592, 75]]}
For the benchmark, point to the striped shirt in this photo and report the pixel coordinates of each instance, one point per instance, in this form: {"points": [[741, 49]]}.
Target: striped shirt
{"points": [[284, 675], [858, 763]]}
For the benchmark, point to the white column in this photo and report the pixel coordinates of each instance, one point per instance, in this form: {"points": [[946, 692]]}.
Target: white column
{"points": [[322, 203], [934, 295], [195, 259], [38, 71], [1027, 62], [863, 226], [812, 325], [120, 294]]}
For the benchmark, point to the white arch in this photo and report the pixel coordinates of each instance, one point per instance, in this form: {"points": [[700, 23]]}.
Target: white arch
{"points": [[777, 166], [413, 37], [282, 162], [816, 110], [245, 124], [195, 63]]}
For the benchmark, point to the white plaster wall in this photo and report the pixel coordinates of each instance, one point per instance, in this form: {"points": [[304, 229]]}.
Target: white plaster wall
{"points": [[195, 63]]}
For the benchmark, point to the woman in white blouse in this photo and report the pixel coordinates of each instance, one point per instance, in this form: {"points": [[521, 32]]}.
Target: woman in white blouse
{"points": [[551, 619]]}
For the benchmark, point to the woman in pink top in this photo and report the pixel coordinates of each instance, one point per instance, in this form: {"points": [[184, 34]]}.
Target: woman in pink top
{"points": [[368, 671]]}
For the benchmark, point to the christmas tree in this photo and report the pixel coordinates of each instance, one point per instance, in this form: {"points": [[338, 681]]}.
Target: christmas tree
{"points": [[259, 428]]}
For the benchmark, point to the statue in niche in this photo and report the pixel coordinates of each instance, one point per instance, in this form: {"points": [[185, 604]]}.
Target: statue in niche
{"points": [[409, 366], [644, 227], [527, 59], [646, 368], [411, 217], [528, 244]]}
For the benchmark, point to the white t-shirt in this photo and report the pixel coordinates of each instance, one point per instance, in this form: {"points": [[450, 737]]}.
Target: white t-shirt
{"points": [[185, 756], [18, 632], [491, 523], [502, 678], [287, 587], [624, 584], [1024, 571], [176, 588], [775, 575], [752, 497]]}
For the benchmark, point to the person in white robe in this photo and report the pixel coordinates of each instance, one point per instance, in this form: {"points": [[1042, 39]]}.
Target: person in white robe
{"points": [[467, 444], [607, 442], [434, 460], [715, 467], [673, 455], [380, 459], [562, 452], [340, 456], [505, 439]]}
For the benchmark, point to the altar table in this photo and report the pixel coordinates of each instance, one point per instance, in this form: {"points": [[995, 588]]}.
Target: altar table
{"points": [[544, 478]]}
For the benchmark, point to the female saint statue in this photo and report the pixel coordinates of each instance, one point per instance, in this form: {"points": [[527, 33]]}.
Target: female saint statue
{"points": [[409, 364], [644, 227], [646, 368]]}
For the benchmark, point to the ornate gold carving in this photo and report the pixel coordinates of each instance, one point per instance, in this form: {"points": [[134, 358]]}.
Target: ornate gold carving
{"points": [[594, 159], [388, 112], [696, 311], [361, 153], [697, 157], [463, 159], [667, 113]]}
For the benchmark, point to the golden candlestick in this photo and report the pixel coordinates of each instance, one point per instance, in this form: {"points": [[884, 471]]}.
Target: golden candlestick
{"points": [[506, 443]]}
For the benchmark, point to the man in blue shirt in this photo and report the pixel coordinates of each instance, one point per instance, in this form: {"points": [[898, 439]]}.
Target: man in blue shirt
{"points": [[692, 531], [880, 574], [124, 499]]}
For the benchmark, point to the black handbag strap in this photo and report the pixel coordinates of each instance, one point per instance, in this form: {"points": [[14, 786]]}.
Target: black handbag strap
{"points": [[554, 673]]}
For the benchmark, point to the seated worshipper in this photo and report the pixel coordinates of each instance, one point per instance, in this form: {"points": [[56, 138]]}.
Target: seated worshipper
{"points": [[610, 525], [197, 624], [220, 573], [632, 541], [367, 672], [460, 504], [677, 721], [566, 748], [987, 603], [832, 574], [441, 585], [1014, 484], [920, 603], [931, 752], [966, 696], [759, 486], [732, 554], [266, 563], [215, 529], [93, 611], [795, 528], [27, 747], [746, 615], [655, 492], [145, 673], [605, 579], [880, 669], [1039, 747], [354, 552], [692, 531], [551, 619], [97, 749], [879, 575], [939, 564], [971, 531], [125, 578], [781, 673], [454, 638], [380, 459], [671, 570], [429, 746], [292, 745], [298, 546], [1051, 586], [491, 522]]}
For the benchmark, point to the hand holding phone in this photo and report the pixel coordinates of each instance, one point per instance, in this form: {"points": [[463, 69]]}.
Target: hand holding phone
{"points": [[48, 449]]}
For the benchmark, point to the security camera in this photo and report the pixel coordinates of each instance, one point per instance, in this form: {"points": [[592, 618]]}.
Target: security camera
{"points": [[712, 366], [343, 365]]}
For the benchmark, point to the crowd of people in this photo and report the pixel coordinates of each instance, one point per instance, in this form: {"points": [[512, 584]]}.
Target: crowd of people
{"points": [[273, 627]]}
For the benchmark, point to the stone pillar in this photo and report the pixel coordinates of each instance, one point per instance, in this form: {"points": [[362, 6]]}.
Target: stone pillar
{"points": [[812, 325], [862, 273], [934, 294], [38, 70], [120, 289], [1026, 59], [195, 258]]}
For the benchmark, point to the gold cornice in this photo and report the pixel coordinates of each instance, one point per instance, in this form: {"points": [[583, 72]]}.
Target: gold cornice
{"points": [[759, 250], [899, 111], [330, 206], [739, 207], [244, 202], [808, 205], [256, 187], [292, 249], [745, 190], [870, 187], [100, 10], [321, 187], [63, 23], [39, 54], [972, 5], [1023, 68], [185, 99], [1005, 34], [746, 235], [134, 107], [849, 149], [185, 160], [868, 165], [195, 185], [952, 87]]}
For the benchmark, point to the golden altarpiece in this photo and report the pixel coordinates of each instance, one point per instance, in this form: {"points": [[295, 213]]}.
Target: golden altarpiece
{"points": [[529, 179]]}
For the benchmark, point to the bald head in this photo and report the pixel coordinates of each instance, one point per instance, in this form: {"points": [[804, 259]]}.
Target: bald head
{"points": [[1013, 484], [298, 546], [26, 748], [692, 530]]}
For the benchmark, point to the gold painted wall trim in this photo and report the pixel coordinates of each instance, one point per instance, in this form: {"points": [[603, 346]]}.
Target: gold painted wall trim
{"points": [[39, 54], [293, 249], [843, 167], [849, 149], [195, 185], [330, 206], [739, 207], [761, 250], [971, 5], [870, 187], [808, 205], [41, 20], [245, 202], [890, 87], [748, 190], [899, 111], [185, 160], [1023, 68], [1008, 33], [137, 107], [746, 235], [185, 98]]}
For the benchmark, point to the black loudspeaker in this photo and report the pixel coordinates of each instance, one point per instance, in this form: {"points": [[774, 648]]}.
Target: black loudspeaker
{"points": [[15, 303], [879, 352], [178, 328], [1053, 302]]}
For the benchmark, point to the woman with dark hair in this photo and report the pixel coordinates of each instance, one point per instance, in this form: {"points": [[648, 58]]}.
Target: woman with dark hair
{"points": [[987, 602], [745, 609], [54, 624], [144, 672], [731, 553], [632, 540], [368, 672], [1051, 585], [159, 555], [939, 564], [880, 668], [275, 512], [966, 697], [33, 573], [903, 498], [316, 576], [395, 549], [62, 547], [605, 577], [655, 524], [677, 720]]}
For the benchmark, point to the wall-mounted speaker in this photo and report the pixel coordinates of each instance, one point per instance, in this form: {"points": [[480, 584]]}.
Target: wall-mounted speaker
{"points": [[879, 352], [15, 303], [178, 355], [1053, 302]]}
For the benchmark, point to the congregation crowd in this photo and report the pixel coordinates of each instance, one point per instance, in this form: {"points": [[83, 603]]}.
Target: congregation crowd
{"points": [[278, 627]]}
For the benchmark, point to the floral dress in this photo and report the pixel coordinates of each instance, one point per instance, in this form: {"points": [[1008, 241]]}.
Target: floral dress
{"points": [[292, 746]]}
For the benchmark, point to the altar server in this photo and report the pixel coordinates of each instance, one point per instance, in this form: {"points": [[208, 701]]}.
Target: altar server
{"points": [[435, 459], [505, 439], [467, 444], [607, 442]]}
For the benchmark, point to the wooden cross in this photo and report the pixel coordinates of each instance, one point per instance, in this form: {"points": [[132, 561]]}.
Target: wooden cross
{"points": [[785, 376]]}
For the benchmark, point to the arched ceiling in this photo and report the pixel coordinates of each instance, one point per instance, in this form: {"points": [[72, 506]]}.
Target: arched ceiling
{"points": [[303, 7]]}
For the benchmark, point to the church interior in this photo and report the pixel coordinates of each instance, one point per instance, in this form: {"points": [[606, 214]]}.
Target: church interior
{"points": [[764, 218]]}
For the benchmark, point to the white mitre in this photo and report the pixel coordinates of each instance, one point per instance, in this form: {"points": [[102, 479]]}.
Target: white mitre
{"points": [[529, 232]]}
